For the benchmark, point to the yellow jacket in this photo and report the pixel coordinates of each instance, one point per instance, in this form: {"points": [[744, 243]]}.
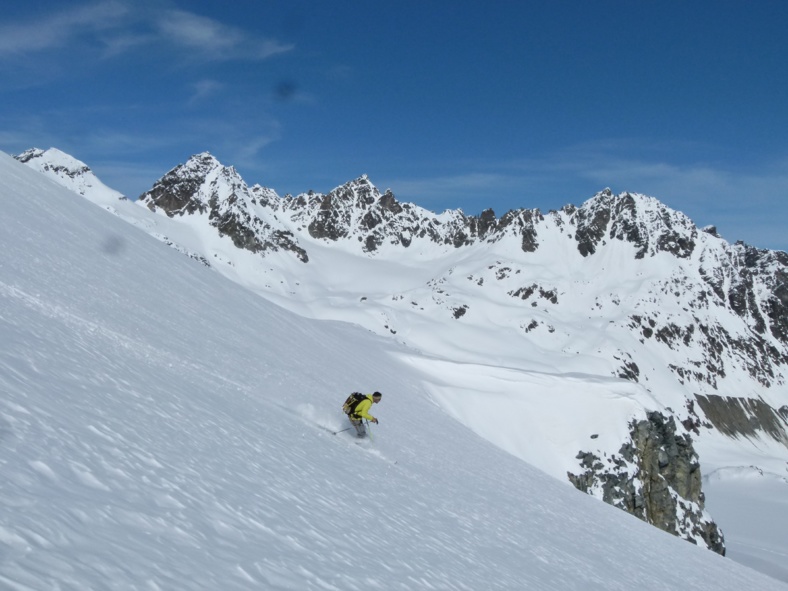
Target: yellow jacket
{"points": [[362, 410]]}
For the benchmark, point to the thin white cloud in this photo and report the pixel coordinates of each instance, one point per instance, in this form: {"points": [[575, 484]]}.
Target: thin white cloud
{"points": [[695, 183], [248, 151], [664, 171], [122, 42], [213, 39], [205, 89], [198, 32], [121, 26], [53, 31]]}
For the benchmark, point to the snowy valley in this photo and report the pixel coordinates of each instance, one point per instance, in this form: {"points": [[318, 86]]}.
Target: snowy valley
{"points": [[160, 425]]}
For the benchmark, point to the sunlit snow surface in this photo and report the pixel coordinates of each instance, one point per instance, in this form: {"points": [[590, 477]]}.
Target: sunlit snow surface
{"points": [[159, 430]]}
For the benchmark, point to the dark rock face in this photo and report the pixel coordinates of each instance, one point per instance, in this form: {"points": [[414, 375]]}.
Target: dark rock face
{"points": [[204, 186], [748, 417], [770, 267], [329, 223], [358, 209], [592, 226], [656, 477], [485, 224], [650, 227], [523, 222], [176, 192]]}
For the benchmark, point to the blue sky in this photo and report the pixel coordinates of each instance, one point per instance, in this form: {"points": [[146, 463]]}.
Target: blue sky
{"points": [[450, 104]]}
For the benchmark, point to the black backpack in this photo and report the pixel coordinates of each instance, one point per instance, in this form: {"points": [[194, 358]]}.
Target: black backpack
{"points": [[352, 402]]}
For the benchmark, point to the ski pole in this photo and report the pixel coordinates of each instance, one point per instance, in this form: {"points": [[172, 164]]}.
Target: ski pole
{"points": [[369, 429], [342, 431]]}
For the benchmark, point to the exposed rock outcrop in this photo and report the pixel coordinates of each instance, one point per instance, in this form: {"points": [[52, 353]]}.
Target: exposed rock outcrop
{"points": [[656, 477], [745, 417]]}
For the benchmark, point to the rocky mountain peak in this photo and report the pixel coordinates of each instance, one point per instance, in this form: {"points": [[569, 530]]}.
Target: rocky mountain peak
{"points": [[203, 185], [355, 207], [204, 159], [643, 221], [359, 192], [193, 186]]}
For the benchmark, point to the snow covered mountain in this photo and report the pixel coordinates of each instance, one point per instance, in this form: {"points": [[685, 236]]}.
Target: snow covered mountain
{"points": [[69, 172], [700, 325], [613, 344]]}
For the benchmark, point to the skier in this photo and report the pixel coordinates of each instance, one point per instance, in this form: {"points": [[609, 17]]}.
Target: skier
{"points": [[361, 411]]}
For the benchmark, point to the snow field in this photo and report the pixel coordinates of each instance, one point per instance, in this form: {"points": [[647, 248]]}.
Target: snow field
{"points": [[155, 434]]}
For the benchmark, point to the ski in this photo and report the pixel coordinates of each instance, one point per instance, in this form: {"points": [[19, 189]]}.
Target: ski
{"points": [[364, 443], [331, 430]]}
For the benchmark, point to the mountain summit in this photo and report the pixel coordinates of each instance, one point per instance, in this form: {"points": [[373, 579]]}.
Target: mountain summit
{"points": [[203, 187], [69, 172]]}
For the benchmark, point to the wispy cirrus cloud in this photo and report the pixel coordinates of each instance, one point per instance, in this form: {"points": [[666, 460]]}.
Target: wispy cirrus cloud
{"points": [[120, 26], [693, 174], [53, 31], [214, 39], [204, 89]]}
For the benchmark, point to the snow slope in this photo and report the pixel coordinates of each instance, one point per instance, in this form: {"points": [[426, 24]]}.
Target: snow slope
{"points": [[158, 431]]}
